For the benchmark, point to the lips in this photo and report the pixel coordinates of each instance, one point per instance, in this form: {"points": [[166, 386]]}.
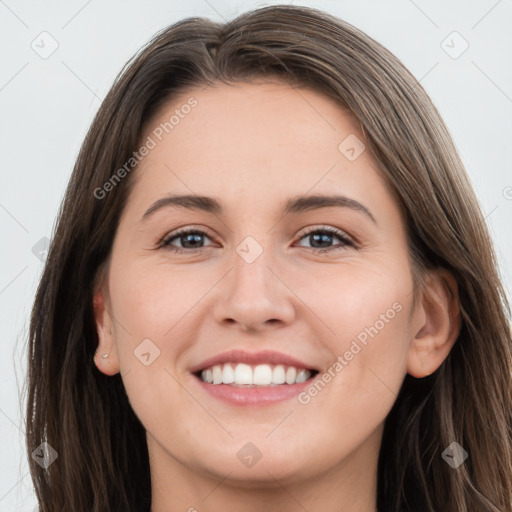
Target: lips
{"points": [[269, 357], [253, 379]]}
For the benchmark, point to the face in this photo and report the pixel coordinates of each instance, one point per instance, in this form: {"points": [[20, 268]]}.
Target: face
{"points": [[321, 290]]}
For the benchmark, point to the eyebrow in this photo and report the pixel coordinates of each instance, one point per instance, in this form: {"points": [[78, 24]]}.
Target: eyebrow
{"points": [[293, 205]]}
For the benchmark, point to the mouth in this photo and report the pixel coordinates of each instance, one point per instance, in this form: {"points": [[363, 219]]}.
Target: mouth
{"points": [[254, 376], [253, 379]]}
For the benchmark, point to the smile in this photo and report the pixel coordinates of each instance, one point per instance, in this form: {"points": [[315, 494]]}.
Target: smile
{"points": [[253, 379], [261, 375]]}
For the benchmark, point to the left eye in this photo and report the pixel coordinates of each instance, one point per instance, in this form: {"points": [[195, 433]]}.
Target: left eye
{"points": [[188, 236], [190, 239], [322, 236]]}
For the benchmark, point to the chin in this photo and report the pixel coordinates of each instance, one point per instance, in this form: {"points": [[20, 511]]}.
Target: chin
{"points": [[261, 463]]}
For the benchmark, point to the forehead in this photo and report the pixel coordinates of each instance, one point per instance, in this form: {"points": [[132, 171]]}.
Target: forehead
{"points": [[255, 118], [255, 142]]}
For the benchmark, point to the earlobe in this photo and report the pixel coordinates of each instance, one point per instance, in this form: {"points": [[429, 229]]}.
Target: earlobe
{"points": [[105, 356], [438, 326]]}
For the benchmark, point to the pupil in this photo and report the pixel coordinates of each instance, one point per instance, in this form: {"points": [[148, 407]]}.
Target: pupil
{"points": [[194, 237], [322, 238]]}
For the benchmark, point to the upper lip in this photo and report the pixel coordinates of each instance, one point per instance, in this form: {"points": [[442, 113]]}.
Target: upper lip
{"points": [[254, 358]]}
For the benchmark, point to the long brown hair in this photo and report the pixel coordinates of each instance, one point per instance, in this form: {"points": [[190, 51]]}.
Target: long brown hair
{"points": [[86, 417]]}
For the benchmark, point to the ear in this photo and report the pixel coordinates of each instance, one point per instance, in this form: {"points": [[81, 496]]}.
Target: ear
{"points": [[105, 328], [436, 324]]}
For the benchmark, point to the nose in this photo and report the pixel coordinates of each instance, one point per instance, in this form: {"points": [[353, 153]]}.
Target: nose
{"points": [[254, 297]]}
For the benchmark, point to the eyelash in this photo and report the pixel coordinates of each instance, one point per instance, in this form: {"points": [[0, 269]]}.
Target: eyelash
{"points": [[165, 243]]}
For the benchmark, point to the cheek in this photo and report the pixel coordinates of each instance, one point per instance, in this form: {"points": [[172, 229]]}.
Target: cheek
{"points": [[360, 386], [151, 298], [368, 314], [151, 302]]}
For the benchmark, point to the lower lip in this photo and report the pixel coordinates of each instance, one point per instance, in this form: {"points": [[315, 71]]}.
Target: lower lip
{"points": [[256, 396]]}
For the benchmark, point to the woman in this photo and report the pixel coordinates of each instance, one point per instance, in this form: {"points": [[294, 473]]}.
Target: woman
{"points": [[255, 368]]}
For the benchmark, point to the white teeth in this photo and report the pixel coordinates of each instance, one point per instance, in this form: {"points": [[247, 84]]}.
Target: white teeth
{"points": [[278, 375], [291, 374], [302, 376], [217, 374], [258, 375], [243, 374], [262, 375], [228, 374]]}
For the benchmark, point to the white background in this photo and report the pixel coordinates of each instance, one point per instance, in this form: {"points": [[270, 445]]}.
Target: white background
{"points": [[47, 105]]}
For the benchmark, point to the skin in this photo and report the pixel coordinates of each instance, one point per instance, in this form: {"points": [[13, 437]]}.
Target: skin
{"points": [[252, 146]]}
